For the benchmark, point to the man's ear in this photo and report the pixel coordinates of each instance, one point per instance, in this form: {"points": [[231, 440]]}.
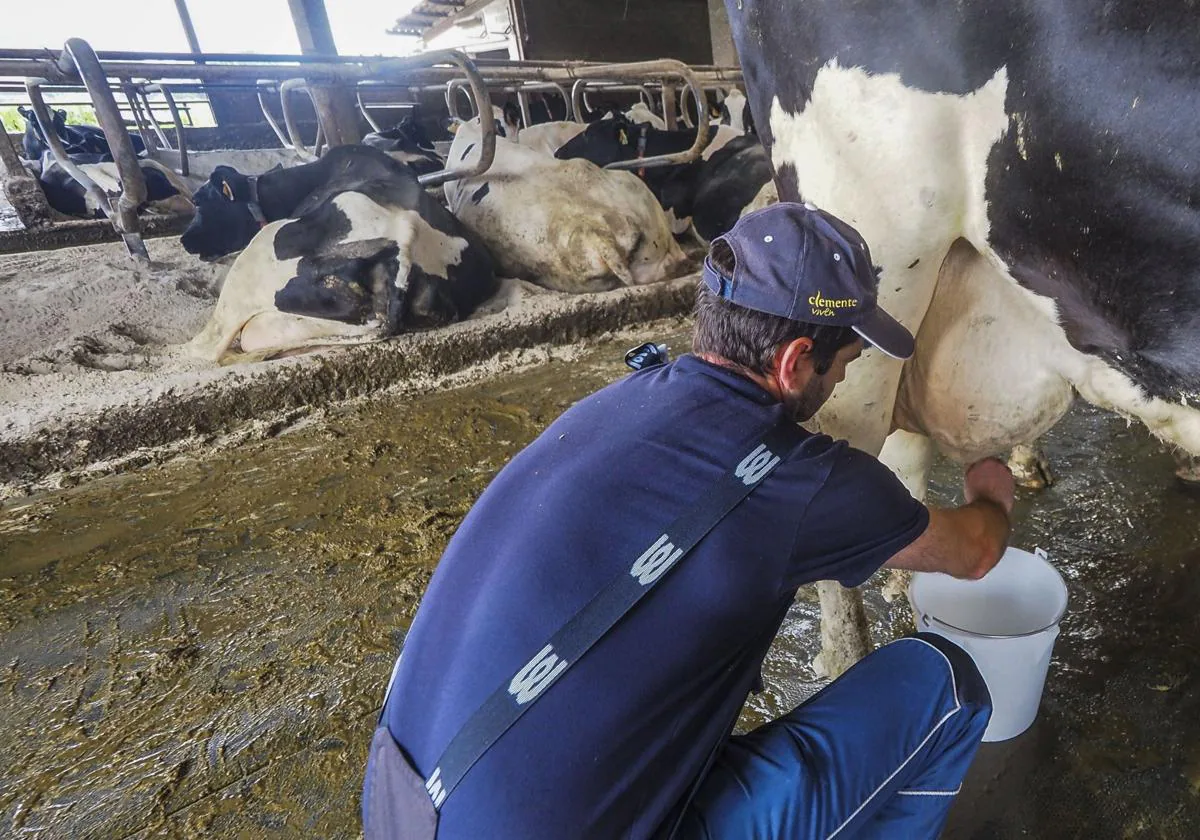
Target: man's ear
{"points": [[794, 363]]}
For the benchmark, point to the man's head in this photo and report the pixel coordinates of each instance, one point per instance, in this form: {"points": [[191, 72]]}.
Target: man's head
{"points": [[789, 296]]}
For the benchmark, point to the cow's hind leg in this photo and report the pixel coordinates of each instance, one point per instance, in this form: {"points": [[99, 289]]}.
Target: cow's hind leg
{"points": [[273, 334]]}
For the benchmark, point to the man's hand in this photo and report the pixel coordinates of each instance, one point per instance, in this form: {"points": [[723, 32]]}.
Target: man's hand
{"points": [[990, 479], [966, 542]]}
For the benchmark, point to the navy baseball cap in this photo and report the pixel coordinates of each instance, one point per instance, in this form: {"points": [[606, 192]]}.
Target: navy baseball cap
{"points": [[801, 263]]}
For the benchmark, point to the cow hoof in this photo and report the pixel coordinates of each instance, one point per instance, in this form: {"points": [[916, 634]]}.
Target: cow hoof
{"points": [[1030, 468], [896, 585], [1189, 472]]}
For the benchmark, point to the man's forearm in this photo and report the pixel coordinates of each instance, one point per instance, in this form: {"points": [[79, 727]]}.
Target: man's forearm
{"points": [[965, 542]]}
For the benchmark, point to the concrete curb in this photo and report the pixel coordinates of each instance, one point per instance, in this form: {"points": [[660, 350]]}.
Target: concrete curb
{"points": [[238, 396]]}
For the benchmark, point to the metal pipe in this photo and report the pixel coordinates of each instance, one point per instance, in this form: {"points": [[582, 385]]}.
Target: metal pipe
{"points": [[144, 102], [139, 118], [669, 112], [362, 109], [523, 103], [452, 89], [189, 29], [80, 56], [46, 123], [293, 130], [487, 128], [348, 71], [263, 87], [180, 137]]}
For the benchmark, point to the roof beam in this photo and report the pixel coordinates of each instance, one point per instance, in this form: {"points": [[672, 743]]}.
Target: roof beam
{"points": [[447, 23]]}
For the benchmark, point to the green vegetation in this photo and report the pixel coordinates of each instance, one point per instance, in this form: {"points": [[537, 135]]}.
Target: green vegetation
{"points": [[76, 115]]}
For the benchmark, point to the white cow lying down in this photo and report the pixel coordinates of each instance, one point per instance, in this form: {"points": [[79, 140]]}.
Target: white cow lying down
{"points": [[567, 225]]}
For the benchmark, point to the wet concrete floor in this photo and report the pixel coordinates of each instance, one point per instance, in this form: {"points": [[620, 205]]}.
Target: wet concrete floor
{"points": [[199, 648]]}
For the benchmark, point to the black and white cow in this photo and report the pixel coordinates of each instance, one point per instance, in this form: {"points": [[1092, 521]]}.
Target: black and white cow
{"points": [[408, 143], [368, 254], [231, 208], [1026, 175], [166, 192], [680, 189], [76, 139], [715, 190], [735, 112]]}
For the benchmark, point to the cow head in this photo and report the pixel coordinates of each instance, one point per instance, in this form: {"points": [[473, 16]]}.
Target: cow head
{"points": [[603, 142], [224, 221]]}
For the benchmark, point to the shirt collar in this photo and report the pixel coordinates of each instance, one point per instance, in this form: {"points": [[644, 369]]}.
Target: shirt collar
{"points": [[689, 363]]}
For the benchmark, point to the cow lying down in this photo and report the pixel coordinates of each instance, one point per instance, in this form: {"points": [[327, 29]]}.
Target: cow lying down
{"points": [[368, 254], [567, 225], [166, 192]]}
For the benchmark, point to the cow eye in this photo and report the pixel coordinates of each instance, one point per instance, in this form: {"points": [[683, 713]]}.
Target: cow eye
{"points": [[226, 191]]}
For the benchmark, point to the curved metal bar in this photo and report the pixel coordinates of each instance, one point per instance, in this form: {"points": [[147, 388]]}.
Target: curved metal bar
{"points": [[362, 108], [452, 89], [149, 139], [180, 137], [577, 104], [487, 151], [144, 102], [46, 123], [293, 129], [683, 111], [673, 68], [80, 56], [264, 86]]}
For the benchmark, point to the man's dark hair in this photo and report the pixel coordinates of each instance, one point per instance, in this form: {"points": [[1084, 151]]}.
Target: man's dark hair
{"points": [[750, 338]]}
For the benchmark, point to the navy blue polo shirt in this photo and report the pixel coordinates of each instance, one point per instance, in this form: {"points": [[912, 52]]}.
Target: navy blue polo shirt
{"points": [[609, 749]]}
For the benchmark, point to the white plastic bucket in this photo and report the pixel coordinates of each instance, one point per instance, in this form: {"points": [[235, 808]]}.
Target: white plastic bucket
{"points": [[1007, 622]]}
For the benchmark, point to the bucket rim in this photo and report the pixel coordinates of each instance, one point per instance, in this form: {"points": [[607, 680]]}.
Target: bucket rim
{"points": [[1037, 552]]}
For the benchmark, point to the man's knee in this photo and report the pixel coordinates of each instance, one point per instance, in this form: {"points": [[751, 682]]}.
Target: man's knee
{"points": [[968, 684]]}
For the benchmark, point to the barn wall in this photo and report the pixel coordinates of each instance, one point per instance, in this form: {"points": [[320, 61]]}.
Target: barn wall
{"points": [[615, 30]]}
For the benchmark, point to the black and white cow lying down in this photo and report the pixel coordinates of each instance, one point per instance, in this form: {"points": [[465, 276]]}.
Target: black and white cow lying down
{"points": [[232, 207], [565, 225], [408, 143], [713, 189], [76, 139], [1026, 175], [166, 192], [367, 254]]}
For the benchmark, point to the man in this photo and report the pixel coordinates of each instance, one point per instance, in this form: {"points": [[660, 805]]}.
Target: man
{"points": [[633, 740]]}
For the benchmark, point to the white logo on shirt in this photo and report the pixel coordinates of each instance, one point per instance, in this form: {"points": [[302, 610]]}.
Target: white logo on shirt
{"points": [[756, 465], [538, 673], [433, 786], [655, 561]]}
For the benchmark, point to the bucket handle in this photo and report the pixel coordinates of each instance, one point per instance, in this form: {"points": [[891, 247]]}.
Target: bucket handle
{"points": [[929, 620]]}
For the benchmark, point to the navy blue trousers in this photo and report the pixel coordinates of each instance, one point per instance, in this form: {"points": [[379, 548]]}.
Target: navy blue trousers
{"points": [[878, 753]]}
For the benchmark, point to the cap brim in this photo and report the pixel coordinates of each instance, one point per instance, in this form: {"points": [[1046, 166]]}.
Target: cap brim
{"points": [[889, 335]]}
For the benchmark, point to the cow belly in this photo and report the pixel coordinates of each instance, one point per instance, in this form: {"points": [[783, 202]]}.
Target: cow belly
{"points": [[573, 234], [981, 379]]}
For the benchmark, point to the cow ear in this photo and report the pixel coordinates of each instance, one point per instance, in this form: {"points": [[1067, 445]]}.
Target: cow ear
{"points": [[226, 190]]}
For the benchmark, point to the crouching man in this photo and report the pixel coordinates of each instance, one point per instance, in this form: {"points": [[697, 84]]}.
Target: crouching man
{"points": [[540, 696]]}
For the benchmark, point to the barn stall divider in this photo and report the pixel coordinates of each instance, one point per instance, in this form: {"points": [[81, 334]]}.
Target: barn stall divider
{"points": [[139, 76]]}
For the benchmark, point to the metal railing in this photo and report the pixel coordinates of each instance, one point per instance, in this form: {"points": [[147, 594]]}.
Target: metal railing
{"points": [[140, 75]]}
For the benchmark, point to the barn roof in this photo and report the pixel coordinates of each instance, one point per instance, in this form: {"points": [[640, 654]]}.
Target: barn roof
{"points": [[429, 13]]}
